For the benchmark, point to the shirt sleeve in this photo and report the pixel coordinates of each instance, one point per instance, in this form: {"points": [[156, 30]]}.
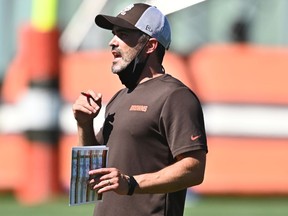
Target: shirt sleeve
{"points": [[182, 122]]}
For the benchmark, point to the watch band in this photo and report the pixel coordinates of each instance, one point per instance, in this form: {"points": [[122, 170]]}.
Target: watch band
{"points": [[132, 183]]}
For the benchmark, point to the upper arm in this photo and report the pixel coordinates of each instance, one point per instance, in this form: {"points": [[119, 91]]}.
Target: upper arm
{"points": [[198, 155], [194, 162], [183, 123]]}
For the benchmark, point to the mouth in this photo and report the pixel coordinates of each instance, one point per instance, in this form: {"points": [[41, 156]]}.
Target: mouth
{"points": [[116, 55]]}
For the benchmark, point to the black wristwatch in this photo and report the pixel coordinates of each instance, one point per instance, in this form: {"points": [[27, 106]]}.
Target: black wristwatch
{"points": [[132, 183]]}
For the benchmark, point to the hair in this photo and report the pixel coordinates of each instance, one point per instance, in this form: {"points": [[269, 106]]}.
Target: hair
{"points": [[160, 50]]}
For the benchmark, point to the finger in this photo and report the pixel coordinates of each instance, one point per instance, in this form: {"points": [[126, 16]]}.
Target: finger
{"points": [[97, 98], [103, 174], [104, 186], [100, 184], [89, 103], [88, 98], [102, 171], [84, 108], [95, 177], [108, 182]]}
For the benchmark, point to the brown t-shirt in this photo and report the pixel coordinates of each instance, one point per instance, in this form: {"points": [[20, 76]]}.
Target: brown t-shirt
{"points": [[145, 129]]}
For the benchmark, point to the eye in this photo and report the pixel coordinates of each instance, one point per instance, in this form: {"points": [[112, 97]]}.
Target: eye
{"points": [[122, 34]]}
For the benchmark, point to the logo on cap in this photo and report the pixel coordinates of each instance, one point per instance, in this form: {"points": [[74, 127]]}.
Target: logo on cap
{"points": [[149, 28], [128, 8]]}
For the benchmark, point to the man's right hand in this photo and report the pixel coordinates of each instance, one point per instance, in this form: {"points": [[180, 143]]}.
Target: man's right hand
{"points": [[87, 107]]}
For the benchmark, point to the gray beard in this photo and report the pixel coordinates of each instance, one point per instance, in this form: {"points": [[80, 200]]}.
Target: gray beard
{"points": [[130, 75]]}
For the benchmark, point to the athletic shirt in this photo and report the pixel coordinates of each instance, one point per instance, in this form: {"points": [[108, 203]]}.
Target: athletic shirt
{"points": [[145, 129]]}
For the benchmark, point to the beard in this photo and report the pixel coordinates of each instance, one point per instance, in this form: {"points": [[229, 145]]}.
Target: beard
{"points": [[130, 75], [130, 72]]}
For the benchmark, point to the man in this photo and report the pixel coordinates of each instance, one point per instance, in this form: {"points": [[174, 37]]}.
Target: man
{"points": [[154, 127]]}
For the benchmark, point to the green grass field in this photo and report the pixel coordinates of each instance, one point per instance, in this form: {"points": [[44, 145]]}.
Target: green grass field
{"points": [[198, 206]]}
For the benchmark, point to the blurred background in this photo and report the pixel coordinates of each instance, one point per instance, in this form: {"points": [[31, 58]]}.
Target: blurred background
{"points": [[232, 53]]}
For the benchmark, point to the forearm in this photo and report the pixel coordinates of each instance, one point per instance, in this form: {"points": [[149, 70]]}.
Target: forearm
{"points": [[185, 173], [85, 109], [86, 135]]}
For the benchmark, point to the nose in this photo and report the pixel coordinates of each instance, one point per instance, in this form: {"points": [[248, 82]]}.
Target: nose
{"points": [[113, 42]]}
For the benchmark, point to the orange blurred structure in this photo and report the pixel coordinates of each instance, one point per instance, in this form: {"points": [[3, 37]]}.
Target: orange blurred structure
{"points": [[27, 168], [14, 152], [35, 65], [246, 166], [244, 75], [87, 70], [240, 73]]}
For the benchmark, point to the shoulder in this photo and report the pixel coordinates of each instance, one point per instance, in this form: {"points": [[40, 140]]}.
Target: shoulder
{"points": [[171, 83], [117, 94], [175, 87], [170, 80]]}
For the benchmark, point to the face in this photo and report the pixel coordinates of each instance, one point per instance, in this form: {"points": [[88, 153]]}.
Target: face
{"points": [[125, 44]]}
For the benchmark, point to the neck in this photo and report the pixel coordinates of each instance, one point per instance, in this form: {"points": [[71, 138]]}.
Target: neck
{"points": [[150, 73]]}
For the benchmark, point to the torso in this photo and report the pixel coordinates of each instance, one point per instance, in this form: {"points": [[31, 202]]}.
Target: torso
{"points": [[138, 135]]}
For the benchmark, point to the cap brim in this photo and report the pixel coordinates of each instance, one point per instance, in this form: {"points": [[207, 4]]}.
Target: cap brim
{"points": [[108, 22]]}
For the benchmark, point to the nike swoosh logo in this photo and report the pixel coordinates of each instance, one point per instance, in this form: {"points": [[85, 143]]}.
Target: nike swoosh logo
{"points": [[193, 138]]}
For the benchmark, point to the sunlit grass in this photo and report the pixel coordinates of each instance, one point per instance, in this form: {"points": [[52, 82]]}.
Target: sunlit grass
{"points": [[195, 205]]}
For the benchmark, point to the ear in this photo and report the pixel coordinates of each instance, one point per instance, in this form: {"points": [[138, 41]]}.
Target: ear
{"points": [[151, 45]]}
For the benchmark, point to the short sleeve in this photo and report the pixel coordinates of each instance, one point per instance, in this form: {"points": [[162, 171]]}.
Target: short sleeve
{"points": [[182, 122]]}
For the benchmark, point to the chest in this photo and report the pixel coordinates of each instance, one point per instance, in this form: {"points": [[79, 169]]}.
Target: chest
{"points": [[137, 116]]}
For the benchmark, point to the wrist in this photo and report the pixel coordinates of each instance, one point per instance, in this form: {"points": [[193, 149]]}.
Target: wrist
{"points": [[84, 125]]}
